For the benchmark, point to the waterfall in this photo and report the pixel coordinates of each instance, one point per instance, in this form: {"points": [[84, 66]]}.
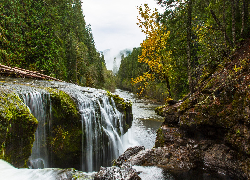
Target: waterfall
{"points": [[100, 122], [37, 103]]}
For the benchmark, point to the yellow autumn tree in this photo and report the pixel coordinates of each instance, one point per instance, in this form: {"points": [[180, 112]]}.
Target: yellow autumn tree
{"points": [[154, 51]]}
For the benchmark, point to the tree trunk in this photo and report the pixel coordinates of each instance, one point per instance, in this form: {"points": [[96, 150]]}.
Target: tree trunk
{"points": [[189, 58], [233, 21], [168, 86], [244, 16], [223, 29]]}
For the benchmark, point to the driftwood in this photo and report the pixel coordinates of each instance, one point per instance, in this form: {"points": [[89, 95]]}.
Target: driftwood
{"points": [[19, 72]]}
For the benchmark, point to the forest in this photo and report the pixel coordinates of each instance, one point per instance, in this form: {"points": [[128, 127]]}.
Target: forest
{"points": [[184, 44], [51, 37]]}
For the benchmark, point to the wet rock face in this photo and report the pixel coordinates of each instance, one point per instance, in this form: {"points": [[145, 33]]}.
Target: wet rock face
{"points": [[125, 172], [203, 154], [17, 128], [178, 151], [168, 158]]}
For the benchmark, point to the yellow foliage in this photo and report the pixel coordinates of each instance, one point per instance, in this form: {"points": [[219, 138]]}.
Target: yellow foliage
{"points": [[154, 51]]}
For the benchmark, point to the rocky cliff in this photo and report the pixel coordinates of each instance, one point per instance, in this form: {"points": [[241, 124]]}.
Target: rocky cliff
{"points": [[17, 129], [211, 128]]}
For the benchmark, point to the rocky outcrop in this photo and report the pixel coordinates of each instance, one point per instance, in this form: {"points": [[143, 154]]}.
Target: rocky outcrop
{"points": [[212, 124], [127, 154], [125, 107]]}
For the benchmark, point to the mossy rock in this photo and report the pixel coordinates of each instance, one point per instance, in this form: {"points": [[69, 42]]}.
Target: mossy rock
{"points": [[63, 104], [121, 104], [65, 137], [124, 107], [160, 140], [17, 129]]}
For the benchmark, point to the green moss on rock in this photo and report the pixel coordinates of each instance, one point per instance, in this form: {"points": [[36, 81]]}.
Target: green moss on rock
{"points": [[124, 107], [64, 101], [65, 137], [121, 104], [160, 140], [17, 129]]}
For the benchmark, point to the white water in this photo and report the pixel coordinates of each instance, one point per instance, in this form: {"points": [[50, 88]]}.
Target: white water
{"points": [[109, 124], [38, 103], [8, 172], [145, 122]]}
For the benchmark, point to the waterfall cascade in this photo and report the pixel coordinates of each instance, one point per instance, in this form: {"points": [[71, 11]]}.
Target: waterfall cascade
{"points": [[100, 123], [38, 103]]}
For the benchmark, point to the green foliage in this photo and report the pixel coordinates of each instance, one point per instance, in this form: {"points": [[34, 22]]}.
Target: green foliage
{"points": [[212, 35], [129, 68], [51, 37], [216, 29], [110, 80]]}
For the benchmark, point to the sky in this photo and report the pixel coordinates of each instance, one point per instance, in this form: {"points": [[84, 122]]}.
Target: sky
{"points": [[113, 24]]}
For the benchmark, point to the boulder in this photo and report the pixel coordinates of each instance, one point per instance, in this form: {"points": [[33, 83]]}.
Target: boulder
{"points": [[124, 172]]}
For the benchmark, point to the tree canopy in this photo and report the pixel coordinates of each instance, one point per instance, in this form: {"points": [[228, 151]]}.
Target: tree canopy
{"points": [[50, 36]]}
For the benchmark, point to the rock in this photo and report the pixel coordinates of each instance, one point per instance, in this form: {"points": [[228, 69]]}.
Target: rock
{"points": [[169, 158], [213, 122], [124, 172], [17, 129], [127, 154], [222, 159], [168, 136]]}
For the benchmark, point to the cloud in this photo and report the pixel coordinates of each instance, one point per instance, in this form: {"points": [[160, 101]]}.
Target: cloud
{"points": [[113, 23]]}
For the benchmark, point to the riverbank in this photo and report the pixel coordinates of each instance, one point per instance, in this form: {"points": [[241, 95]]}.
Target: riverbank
{"points": [[212, 124]]}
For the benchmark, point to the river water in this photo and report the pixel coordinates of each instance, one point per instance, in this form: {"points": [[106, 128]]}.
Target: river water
{"points": [[145, 122]]}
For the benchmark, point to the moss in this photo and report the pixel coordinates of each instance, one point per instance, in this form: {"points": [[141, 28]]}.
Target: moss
{"points": [[64, 101], [160, 140], [185, 105], [17, 129], [121, 104], [160, 110], [125, 108], [66, 142], [65, 137]]}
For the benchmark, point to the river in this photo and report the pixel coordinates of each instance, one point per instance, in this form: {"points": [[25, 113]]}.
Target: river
{"points": [[145, 122]]}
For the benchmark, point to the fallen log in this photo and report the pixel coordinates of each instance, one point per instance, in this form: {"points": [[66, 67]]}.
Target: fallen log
{"points": [[19, 72]]}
